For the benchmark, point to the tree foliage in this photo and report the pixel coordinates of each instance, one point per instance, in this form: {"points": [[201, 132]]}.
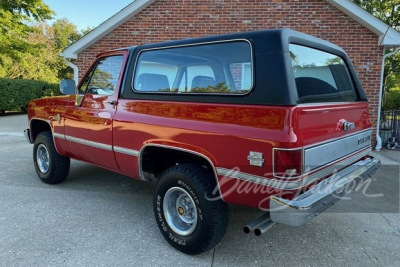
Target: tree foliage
{"points": [[389, 12], [44, 62], [29, 47], [65, 33], [15, 19]]}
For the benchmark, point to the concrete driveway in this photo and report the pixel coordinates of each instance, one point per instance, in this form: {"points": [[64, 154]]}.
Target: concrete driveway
{"points": [[98, 218]]}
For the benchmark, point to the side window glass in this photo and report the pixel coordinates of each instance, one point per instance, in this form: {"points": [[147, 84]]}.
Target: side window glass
{"points": [[103, 79], [85, 83], [197, 79], [156, 76], [196, 69], [242, 75]]}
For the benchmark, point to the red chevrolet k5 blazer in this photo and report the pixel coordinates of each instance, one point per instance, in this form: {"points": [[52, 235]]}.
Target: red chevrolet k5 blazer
{"points": [[272, 119]]}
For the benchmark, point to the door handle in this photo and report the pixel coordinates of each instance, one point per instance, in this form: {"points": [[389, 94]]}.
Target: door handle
{"points": [[112, 102]]}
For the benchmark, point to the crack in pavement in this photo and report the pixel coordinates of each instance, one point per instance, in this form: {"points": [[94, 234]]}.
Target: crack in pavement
{"points": [[395, 229]]}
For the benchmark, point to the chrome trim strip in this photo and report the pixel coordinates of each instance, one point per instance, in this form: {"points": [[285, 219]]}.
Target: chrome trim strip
{"points": [[57, 135], [326, 104], [179, 149], [335, 165], [51, 129], [338, 138], [287, 184], [260, 180], [118, 149], [311, 146], [323, 154], [88, 143], [127, 151]]}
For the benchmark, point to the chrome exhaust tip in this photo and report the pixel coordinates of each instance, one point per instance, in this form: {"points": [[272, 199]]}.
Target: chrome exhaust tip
{"points": [[259, 225]]}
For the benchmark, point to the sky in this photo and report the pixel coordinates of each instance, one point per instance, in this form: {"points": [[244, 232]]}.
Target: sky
{"points": [[86, 13]]}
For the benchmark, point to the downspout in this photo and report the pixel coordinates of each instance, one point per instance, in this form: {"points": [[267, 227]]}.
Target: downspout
{"points": [[378, 146], [76, 70]]}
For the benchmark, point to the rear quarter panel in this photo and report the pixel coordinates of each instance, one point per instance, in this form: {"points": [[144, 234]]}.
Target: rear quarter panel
{"points": [[224, 133]]}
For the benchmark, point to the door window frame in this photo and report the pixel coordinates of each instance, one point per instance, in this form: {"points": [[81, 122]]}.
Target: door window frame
{"points": [[124, 53]]}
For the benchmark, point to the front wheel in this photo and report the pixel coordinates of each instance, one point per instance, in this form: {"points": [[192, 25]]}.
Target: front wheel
{"points": [[187, 219], [50, 166]]}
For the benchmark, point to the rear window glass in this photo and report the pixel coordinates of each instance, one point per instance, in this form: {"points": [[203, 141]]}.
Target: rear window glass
{"points": [[321, 76], [216, 68]]}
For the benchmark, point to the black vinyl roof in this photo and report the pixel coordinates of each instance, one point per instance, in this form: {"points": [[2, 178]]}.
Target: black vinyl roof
{"points": [[274, 82]]}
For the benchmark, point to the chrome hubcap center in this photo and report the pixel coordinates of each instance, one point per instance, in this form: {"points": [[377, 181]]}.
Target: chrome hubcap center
{"points": [[42, 158], [180, 211]]}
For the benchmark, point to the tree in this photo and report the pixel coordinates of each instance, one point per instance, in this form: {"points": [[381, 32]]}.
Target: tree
{"points": [[65, 34], [15, 28], [49, 66], [389, 12], [45, 67]]}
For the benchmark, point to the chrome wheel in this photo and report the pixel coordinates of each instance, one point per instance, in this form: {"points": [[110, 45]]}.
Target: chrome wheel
{"points": [[42, 158], [180, 211]]}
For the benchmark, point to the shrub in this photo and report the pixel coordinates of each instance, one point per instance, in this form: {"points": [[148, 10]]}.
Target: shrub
{"points": [[16, 94], [392, 100]]}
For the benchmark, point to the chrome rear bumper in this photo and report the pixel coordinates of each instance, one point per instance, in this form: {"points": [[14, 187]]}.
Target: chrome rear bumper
{"points": [[308, 205]]}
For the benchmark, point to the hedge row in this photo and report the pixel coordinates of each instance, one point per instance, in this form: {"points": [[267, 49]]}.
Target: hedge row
{"points": [[16, 94]]}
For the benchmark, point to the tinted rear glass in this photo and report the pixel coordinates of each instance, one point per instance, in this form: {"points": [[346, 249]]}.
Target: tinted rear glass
{"points": [[321, 76]]}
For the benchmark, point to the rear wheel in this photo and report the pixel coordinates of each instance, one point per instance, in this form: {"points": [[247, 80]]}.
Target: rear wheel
{"points": [[51, 167], [187, 219]]}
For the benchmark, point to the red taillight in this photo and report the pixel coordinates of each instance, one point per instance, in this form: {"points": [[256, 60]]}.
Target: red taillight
{"points": [[288, 163]]}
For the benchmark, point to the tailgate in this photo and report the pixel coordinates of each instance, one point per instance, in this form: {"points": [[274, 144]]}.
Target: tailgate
{"points": [[331, 132]]}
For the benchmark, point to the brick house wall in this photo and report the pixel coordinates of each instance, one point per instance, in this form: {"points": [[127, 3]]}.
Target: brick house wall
{"points": [[173, 20]]}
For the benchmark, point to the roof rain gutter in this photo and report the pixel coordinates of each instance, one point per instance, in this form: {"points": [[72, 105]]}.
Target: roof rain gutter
{"points": [[378, 146]]}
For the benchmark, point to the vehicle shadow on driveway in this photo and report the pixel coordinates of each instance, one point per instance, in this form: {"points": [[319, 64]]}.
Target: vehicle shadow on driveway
{"points": [[325, 239]]}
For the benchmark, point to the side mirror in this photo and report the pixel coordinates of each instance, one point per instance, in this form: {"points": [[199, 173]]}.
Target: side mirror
{"points": [[68, 87]]}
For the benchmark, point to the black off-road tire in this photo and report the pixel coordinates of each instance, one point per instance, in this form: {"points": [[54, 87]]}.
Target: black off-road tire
{"points": [[56, 167], [197, 185]]}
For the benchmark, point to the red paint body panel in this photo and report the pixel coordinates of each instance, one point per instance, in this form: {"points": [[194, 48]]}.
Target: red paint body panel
{"points": [[319, 123], [226, 133], [92, 121], [213, 130], [221, 132], [46, 109]]}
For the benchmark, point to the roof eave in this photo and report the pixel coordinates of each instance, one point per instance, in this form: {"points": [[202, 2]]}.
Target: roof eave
{"points": [[69, 55], [388, 37], [105, 28]]}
